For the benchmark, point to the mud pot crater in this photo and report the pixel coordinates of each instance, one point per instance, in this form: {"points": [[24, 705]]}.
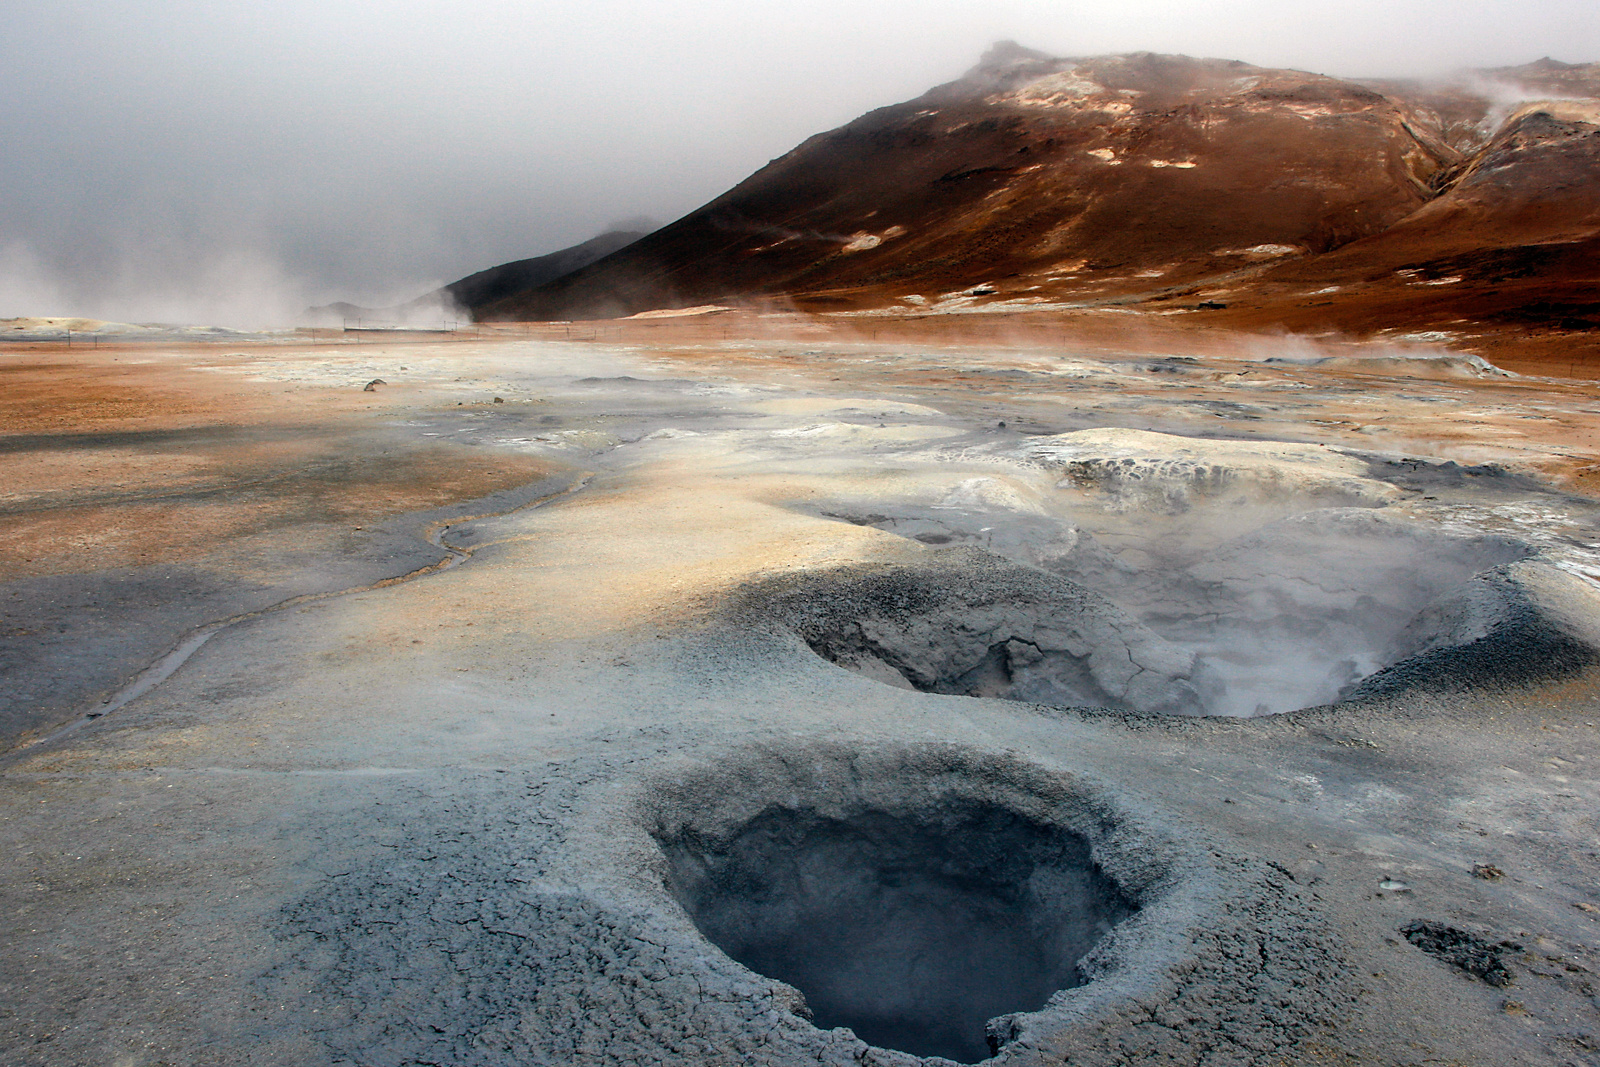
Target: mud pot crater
{"points": [[912, 928], [1303, 612], [957, 905]]}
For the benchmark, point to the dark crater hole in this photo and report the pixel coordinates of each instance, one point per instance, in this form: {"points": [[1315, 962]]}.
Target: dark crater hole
{"points": [[913, 931]]}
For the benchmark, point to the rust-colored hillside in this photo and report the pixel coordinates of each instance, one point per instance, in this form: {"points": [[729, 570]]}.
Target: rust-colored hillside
{"points": [[1163, 182]]}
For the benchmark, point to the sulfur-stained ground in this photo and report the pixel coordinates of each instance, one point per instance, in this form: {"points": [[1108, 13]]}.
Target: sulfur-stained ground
{"points": [[479, 642]]}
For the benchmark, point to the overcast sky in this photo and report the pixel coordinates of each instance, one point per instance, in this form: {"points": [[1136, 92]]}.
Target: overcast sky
{"points": [[231, 162]]}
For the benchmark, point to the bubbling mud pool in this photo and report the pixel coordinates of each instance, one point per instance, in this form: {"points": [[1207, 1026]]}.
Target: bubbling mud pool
{"points": [[921, 907], [911, 931], [1296, 613]]}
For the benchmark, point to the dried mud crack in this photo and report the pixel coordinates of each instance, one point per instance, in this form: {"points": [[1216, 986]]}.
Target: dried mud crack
{"points": [[877, 906]]}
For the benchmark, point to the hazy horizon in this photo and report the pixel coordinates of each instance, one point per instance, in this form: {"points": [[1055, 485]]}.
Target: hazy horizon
{"points": [[199, 162]]}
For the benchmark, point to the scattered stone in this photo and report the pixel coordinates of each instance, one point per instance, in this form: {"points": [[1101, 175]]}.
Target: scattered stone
{"points": [[1389, 885], [1482, 959], [499, 400], [1351, 742], [1585, 906], [1487, 871], [372, 386]]}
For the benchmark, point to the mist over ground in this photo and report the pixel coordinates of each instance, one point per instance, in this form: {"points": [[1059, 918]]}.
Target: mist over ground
{"points": [[195, 161]]}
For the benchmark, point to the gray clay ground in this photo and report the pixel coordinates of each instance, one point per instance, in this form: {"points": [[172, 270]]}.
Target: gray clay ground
{"points": [[458, 819]]}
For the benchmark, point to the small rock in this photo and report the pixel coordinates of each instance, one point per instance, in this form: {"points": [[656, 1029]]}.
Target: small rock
{"points": [[1389, 885], [1584, 906], [1487, 871], [372, 386], [499, 400]]}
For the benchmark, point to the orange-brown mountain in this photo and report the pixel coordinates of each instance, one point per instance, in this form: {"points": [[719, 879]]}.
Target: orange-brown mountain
{"points": [[1035, 179]]}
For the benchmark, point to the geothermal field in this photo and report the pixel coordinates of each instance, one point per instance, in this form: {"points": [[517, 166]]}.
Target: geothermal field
{"points": [[797, 697], [1096, 564]]}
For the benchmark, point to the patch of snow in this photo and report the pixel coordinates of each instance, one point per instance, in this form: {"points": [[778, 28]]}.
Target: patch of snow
{"points": [[1260, 252], [817, 430], [680, 313], [669, 433], [861, 240], [1062, 87]]}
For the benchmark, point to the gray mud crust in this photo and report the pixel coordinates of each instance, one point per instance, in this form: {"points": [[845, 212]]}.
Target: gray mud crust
{"points": [[543, 920], [1496, 632]]}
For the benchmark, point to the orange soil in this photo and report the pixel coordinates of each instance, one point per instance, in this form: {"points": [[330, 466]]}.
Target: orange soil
{"points": [[113, 458]]}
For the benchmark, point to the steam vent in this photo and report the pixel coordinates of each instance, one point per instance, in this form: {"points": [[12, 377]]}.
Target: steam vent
{"points": [[1096, 565]]}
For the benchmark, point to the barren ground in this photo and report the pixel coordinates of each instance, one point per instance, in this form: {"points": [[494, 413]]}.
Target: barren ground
{"points": [[490, 679]]}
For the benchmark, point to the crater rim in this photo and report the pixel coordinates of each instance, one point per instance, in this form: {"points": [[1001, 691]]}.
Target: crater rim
{"points": [[1170, 879]]}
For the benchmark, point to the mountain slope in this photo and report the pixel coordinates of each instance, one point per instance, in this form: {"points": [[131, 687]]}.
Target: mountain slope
{"points": [[1512, 236], [1152, 180], [487, 286], [477, 291], [1101, 170]]}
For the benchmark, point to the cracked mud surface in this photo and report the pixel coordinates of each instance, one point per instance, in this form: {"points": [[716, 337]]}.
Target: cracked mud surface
{"points": [[456, 819]]}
